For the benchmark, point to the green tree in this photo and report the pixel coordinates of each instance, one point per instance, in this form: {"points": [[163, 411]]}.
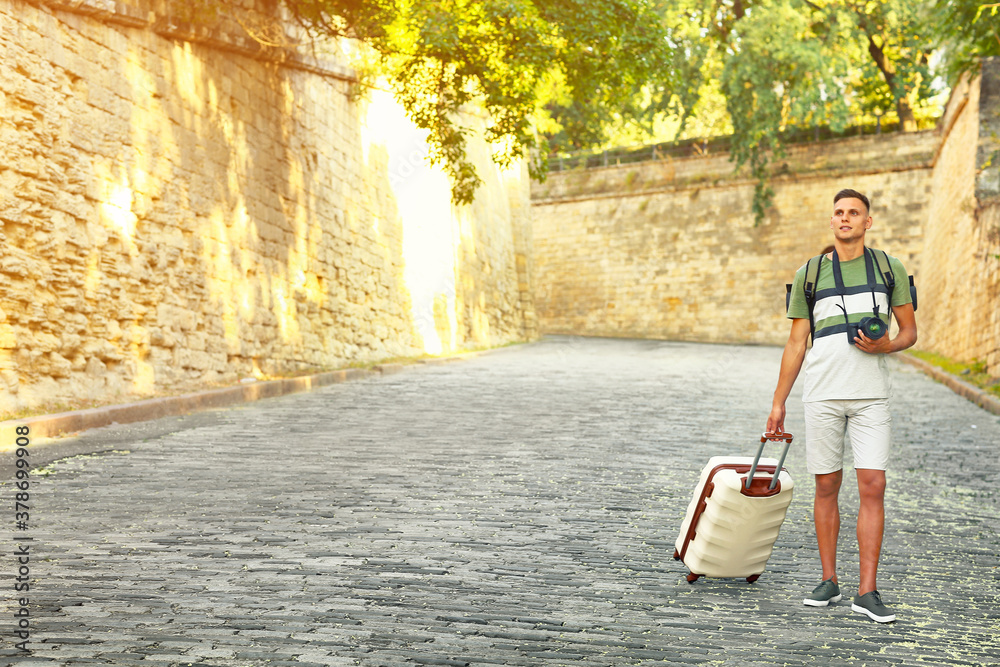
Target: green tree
{"points": [[778, 74], [807, 63], [510, 56], [899, 46], [664, 98], [572, 74], [969, 31]]}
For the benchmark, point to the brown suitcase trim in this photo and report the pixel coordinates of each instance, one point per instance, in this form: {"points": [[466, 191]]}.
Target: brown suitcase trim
{"points": [[758, 489]]}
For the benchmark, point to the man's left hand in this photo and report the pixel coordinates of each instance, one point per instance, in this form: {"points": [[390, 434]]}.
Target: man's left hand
{"points": [[881, 345]]}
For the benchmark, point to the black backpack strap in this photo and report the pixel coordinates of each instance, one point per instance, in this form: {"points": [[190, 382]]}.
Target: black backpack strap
{"points": [[882, 259], [809, 287], [890, 279]]}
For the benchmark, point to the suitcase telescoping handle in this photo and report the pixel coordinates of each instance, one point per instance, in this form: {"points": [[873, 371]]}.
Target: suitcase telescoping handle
{"points": [[787, 438]]}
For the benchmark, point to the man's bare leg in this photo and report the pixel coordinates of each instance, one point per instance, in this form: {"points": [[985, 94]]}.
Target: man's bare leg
{"points": [[871, 524], [826, 515]]}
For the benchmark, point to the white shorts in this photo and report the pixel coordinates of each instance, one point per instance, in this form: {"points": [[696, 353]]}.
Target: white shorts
{"points": [[868, 424]]}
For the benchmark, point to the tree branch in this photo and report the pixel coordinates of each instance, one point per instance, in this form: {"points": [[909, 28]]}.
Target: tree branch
{"points": [[878, 55]]}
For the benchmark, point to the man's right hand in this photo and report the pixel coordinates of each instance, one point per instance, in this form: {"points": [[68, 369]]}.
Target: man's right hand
{"points": [[776, 420]]}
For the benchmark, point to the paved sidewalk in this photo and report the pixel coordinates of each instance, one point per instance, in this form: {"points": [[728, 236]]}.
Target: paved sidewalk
{"points": [[518, 508]]}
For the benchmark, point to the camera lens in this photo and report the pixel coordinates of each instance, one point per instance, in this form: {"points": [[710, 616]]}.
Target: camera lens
{"points": [[873, 327]]}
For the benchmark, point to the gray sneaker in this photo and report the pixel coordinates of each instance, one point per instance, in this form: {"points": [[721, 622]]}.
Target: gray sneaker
{"points": [[826, 593], [870, 604]]}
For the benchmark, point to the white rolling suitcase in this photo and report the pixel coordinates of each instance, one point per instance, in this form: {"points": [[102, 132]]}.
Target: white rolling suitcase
{"points": [[735, 515]]}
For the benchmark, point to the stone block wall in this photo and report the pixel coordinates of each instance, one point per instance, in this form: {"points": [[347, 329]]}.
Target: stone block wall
{"points": [[177, 213], [961, 255], [669, 249]]}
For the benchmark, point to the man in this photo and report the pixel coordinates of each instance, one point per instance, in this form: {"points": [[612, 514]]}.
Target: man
{"points": [[846, 389]]}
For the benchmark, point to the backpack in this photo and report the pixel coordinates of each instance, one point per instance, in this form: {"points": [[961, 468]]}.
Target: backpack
{"points": [[812, 277]]}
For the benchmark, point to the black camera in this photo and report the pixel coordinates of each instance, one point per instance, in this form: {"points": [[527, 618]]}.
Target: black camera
{"points": [[873, 327]]}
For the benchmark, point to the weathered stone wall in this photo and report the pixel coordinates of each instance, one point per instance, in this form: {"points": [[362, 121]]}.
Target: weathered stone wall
{"points": [[961, 292], [669, 249], [176, 213]]}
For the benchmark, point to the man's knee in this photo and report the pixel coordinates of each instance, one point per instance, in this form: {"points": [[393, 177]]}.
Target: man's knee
{"points": [[871, 484], [828, 485]]}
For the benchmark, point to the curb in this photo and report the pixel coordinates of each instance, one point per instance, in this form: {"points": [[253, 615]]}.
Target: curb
{"points": [[65, 423], [71, 423], [964, 389]]}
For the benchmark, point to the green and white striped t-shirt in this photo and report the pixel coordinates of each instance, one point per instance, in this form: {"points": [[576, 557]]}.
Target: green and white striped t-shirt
{"points": [[835, 369]]}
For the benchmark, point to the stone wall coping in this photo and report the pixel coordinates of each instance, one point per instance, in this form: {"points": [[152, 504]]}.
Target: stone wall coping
{"points": [[118, 13], [721, 182], [600, 182], [804, 147]]}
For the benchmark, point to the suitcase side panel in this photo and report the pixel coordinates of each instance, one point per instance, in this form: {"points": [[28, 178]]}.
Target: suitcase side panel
{"points": [[736, 533], [705, 488]]}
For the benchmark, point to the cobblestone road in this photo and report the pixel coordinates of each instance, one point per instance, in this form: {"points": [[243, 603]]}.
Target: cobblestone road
{"points": [[519, 508]]}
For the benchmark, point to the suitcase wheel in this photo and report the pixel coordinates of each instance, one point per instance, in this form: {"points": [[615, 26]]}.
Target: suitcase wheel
{"points": [[752, 578], [677, 555], [693, 577]]}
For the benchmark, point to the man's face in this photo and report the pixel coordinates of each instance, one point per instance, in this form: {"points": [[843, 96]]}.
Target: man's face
{"points": [[850, 219]]}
